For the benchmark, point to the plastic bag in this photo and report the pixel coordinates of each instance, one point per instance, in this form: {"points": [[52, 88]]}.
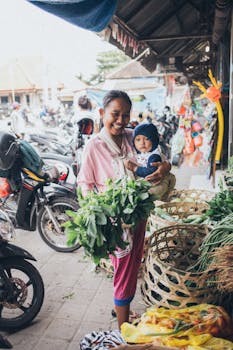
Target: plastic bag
{"points": [[178, 142], [196, 126], [198, 140], [194, 325]]}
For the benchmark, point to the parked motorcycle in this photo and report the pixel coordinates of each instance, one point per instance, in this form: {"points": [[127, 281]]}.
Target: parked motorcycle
{"points": [[21, 285], [43, 205], [71, 160], [54, 142], [67, 170], [46, 143]]}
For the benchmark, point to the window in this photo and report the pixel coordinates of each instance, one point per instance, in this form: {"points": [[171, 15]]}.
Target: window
{"points": [[4, 99]]}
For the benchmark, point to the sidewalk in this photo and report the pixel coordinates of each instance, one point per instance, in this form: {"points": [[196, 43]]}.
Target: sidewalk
{"points": [[77, 299], [195, 178]]}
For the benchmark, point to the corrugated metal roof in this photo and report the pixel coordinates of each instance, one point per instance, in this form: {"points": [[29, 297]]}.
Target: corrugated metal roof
{"points": [[178, 33]]}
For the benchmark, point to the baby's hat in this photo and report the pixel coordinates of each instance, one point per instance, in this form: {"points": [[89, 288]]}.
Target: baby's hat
{"points": [[150, 131]]}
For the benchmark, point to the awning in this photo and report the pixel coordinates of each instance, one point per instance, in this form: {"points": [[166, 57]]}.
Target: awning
{"points": [[179, 35], [93, 15]]}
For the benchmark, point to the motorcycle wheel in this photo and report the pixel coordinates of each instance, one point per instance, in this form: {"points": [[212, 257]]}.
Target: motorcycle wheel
{"points": [[20, 308], [54, 239]]}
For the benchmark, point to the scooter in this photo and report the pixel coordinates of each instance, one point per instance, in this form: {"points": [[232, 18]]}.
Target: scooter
{"points": [[21, 285], [41, 204], [68, 169], [71, 161]]}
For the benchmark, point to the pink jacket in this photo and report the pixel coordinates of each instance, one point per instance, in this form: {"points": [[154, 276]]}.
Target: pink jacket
{"points": [[98, 163]]}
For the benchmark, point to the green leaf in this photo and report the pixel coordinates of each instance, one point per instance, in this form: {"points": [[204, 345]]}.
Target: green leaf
{"points": [[67, 224], [71, 213], [101, 219], [99, 239], [128, 210], [143, 196], [72, 237]]}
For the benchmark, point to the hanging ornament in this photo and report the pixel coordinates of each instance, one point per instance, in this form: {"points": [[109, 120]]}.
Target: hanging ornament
{"points": [[213, 93]]}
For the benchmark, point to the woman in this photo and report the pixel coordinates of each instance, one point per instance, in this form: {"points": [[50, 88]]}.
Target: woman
{"points": [[103, 158]]}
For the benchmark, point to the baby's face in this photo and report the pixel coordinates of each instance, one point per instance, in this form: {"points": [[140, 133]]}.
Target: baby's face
{"points": [[142, 144]]}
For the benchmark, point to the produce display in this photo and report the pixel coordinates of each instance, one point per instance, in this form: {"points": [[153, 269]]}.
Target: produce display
{"points": [[99, 223], [194, 327], [187, 219], [220, 236], [222, 265], [215, 252], [219, 207], [228, 175]]}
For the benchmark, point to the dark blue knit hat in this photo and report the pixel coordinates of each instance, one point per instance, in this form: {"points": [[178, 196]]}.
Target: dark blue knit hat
{"points": [[148, 130]]}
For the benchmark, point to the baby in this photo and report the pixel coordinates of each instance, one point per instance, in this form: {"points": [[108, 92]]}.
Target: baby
{"points": [[146, 141]]}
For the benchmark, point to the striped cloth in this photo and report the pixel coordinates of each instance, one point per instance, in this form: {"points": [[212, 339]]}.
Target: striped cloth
{"points": [[102, 340]]}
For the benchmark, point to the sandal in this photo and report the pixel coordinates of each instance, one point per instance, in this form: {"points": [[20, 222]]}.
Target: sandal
{"points": [[134, 317], [113, 313]]}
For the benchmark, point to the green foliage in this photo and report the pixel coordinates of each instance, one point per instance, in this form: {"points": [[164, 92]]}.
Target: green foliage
{"points": [[220, 205], [97, 225], [221, 235], [230, 165], [106, 63]]}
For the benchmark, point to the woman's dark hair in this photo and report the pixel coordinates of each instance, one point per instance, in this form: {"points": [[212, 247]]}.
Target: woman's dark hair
{"points": [[84, 102], [113, 94]]}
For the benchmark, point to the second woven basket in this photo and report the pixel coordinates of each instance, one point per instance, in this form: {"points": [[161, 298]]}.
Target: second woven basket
{"points": [[168, 277]]}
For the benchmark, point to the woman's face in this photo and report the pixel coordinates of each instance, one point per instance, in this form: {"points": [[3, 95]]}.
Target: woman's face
{"points": [[116, 116]]}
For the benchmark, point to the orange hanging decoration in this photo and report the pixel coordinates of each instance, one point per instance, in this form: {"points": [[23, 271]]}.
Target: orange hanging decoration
{"points": [[182, 110], [189, 143], [213, 94]]}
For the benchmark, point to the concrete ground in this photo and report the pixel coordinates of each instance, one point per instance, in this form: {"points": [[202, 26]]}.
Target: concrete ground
{"points": [[77, 299]]}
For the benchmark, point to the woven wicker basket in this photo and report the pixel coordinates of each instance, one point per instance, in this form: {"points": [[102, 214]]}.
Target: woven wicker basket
{"points": [[198, 196], [166, 277], [183, 209], [178, 211]]}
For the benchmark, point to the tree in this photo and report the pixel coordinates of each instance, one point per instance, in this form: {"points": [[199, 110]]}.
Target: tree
{"points": [[106, 62]]}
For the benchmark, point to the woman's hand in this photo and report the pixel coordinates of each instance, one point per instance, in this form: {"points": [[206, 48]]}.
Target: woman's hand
{"points": [[130, 165], [158, 175]]}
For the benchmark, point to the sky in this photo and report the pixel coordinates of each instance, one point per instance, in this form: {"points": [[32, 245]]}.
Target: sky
{"points": [[27, 30]]}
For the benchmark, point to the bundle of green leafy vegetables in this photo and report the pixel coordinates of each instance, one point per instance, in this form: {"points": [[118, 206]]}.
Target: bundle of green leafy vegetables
{"points": [[97, 225], [220, 205]]}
